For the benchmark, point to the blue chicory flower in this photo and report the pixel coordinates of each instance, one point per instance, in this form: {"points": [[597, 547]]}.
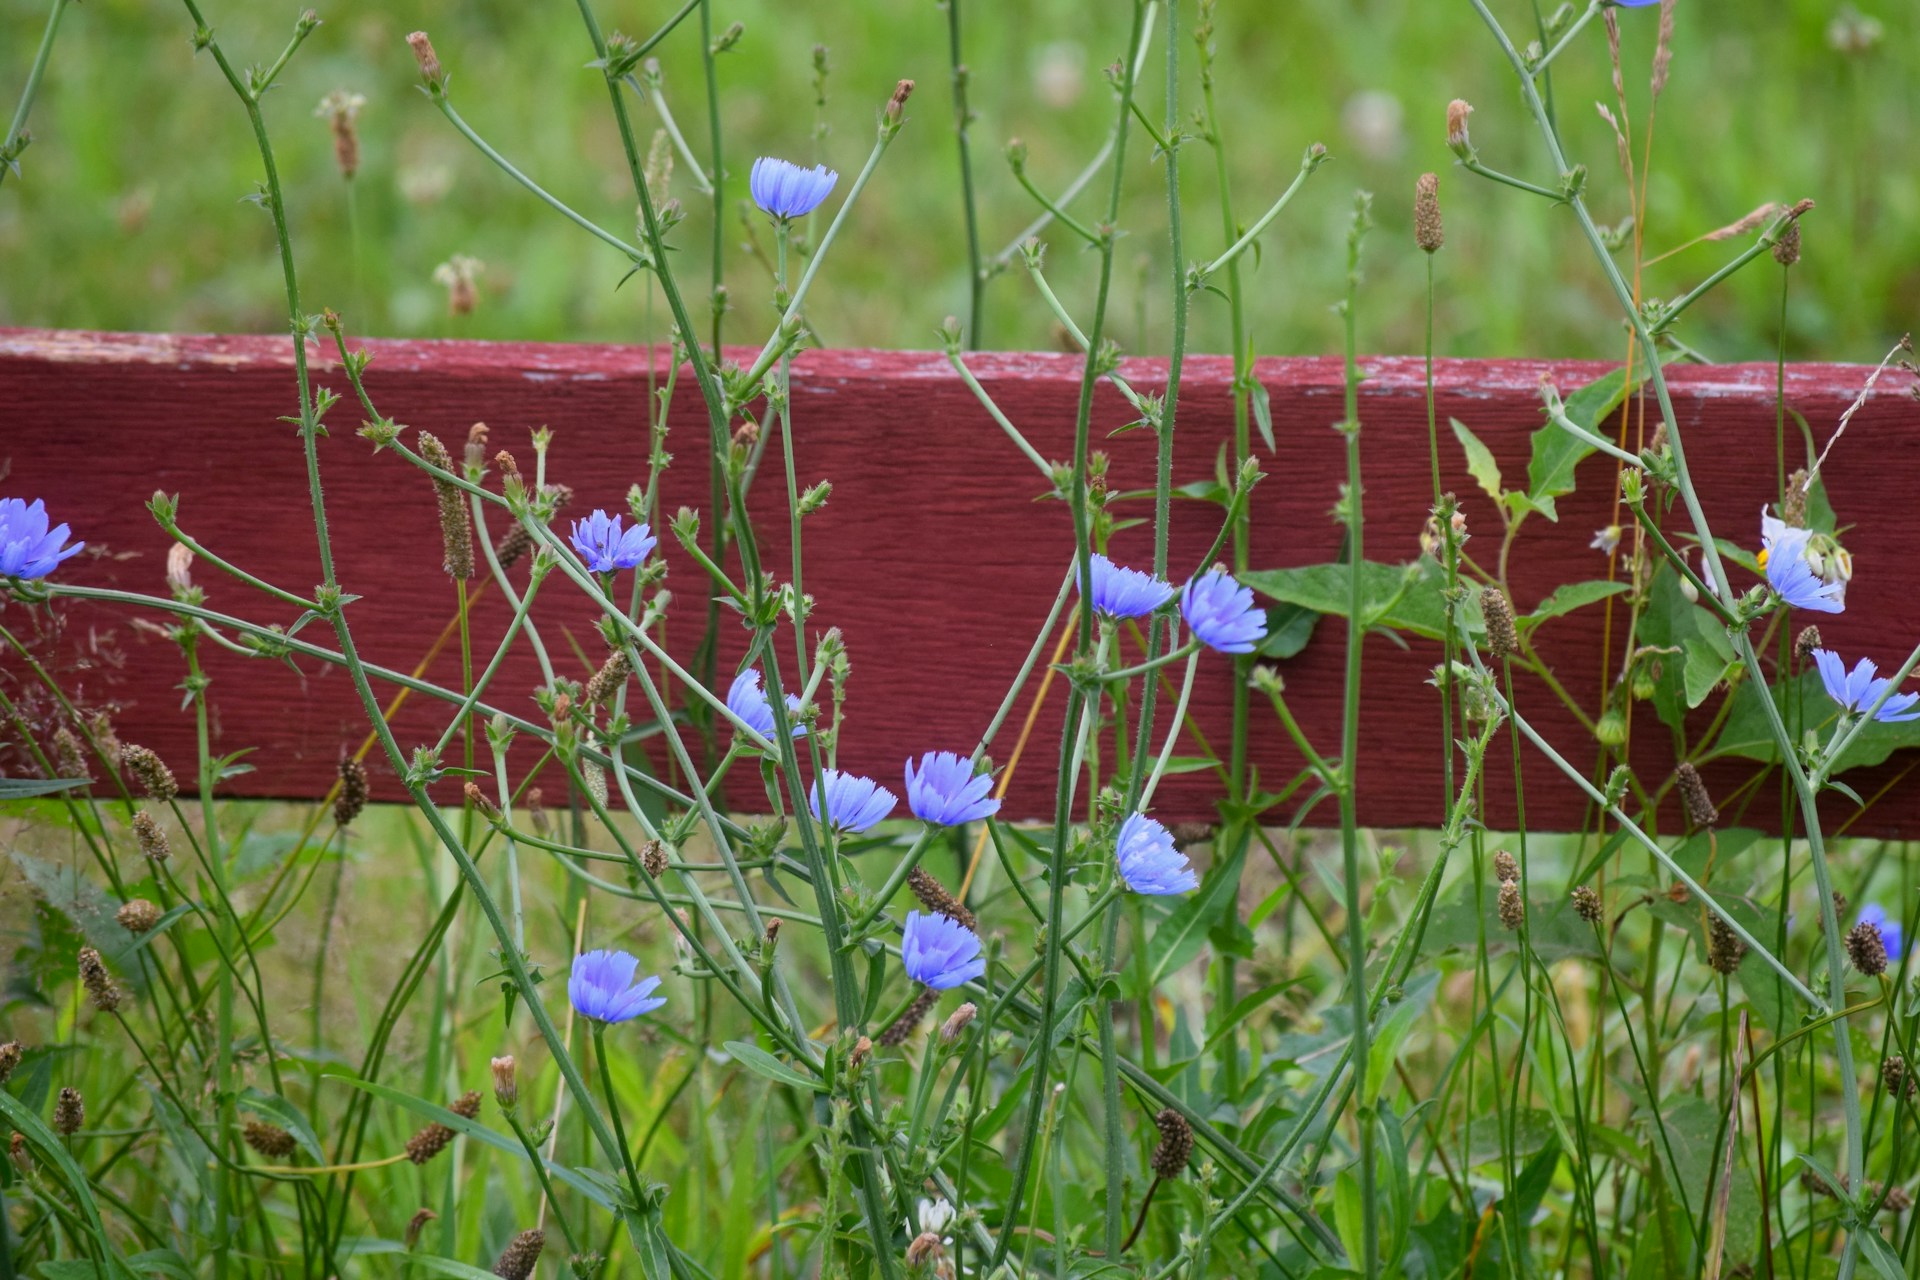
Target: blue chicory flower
{"points": [[940, 953], [785, 190], [852, 803], [1859, 689], [1148, 861], [1635, 4], [1221, 613], [947, 792], [1120, 592], [606, 547], [1890, 931], [28, 549], [601, 987], [747, 700], [1784, 551]]}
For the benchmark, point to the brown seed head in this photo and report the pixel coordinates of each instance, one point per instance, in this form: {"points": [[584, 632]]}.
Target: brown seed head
{"points": [[1428, 232], [1793, 505], [270, 1140], [1805, 643], [138, 916], [1503, 638], [69, 1112], [609, 679], [1512, 909], [1899, 1081], [903, 1026], [10, 1055], [518, 1258], [151, 772], [1506, 868], [354, 786], [428, 1143], [1725, 950], [103, 993], [69, 755], [148, 835], [1586, 904], [18, 1153], [654, 858], [1175, 1148], [934, 897], [456, 530], [1786, 249], [467, 1105], [1867, 949], [1694, 797]]}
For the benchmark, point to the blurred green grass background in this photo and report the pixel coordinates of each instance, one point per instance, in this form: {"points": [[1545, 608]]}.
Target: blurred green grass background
{"points": [[130, 210]]}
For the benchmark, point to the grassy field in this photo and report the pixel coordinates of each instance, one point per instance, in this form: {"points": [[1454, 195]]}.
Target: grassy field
{"points": [[128, 213]]}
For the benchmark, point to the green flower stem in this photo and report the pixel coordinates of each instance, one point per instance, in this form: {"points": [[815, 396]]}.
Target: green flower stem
{"points": [[594, 229], [1579, 24], [479, 686], [1474, 166], [613, 1109], [1350, 750], [1026, 668], [895, 878], [1173, 732], [1252, 233], [13, 143], [174, 531], [1060, 314], [1768, 238], [1190, 649], [1054, 212], [1013, 433], [539, 1164], [962, 117], [1708, 597], [501, 582], [651, 95]]}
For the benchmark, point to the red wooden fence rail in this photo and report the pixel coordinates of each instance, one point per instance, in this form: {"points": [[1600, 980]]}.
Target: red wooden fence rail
{"points": [[932, 555]]}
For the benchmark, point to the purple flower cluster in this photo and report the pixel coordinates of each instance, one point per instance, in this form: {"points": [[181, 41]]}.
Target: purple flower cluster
{"points": [[606, 547], [1218, 610]]}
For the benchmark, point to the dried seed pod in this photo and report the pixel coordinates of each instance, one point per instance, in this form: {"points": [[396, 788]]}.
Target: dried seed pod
{"points": [[1503, 638], [957, 1022], [353, 791], [103, 993], [430, 69], [1428, 232], [1894, 1074], [1725, 950], [934, 897], [1512, 909], [1175, 1148], [1805, 643], [903, 1026], [608, 680], [518, 1258], [10, 1054], [1786, 250], [456, 529], [653, 857], [1694, 797], [1867, 949], [151, 772], [150, 837], [1506, 868], [270, 1140], [433, 1139], [69, 755], [506, 1085], [69, 1112], [1586, 904]]}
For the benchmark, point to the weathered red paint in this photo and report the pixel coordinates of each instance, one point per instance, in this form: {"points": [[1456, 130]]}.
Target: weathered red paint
{"points": [[932, 556]]}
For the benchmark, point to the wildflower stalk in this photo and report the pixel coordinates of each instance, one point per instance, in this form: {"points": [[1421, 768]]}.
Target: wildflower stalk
{"points": [[963, 117], [1802, 783], [17, 138], [1076, 708], [1350, 738], [980, 393]]}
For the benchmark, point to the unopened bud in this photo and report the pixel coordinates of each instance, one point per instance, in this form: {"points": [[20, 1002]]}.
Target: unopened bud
{"points": [[957, 1021], [430, 70], [1458, 140], [506, 1085]]}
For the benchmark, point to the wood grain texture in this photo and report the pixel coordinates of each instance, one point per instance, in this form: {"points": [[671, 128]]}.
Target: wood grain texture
{"points": [[932, 556]]}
